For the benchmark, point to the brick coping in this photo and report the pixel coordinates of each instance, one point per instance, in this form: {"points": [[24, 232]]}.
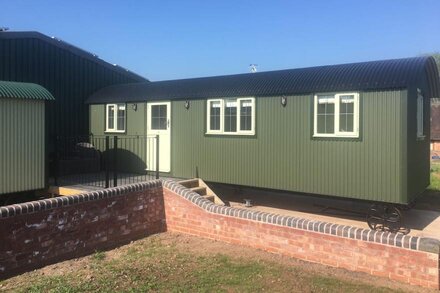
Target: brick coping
{"points": [[393, 239], [62, 201], [398, 240]]}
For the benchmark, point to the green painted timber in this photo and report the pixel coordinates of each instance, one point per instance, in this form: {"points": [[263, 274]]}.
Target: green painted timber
{"points": [[22, 145], [21, 90], [283, 155]]}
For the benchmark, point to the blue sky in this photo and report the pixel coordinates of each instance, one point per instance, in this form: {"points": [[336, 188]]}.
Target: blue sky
{"points": [[181, 39]]}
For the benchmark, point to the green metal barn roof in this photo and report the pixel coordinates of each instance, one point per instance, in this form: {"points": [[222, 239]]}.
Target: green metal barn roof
{"points": [[22, 90]]}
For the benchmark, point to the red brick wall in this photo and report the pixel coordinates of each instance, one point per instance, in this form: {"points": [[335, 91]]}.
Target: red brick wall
{"points": [[401, 264], [43, 232]]}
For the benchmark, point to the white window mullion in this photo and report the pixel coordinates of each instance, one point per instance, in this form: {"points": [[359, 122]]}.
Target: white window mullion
{"points": [[222, 116], [337, 114], [239, 115]]}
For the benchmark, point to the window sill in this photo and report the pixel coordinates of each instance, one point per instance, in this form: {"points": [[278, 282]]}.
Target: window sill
{"points": [[335, 136], [114, 131], [231, 134], [421, 138]]}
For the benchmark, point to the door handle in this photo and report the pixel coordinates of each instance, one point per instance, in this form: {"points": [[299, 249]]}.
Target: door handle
{"points": [[168, 123]]}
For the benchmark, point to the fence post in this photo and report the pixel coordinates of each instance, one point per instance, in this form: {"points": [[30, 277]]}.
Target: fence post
{"points": [[115, 161], [55, 163], [106, 162], [157, 156]]}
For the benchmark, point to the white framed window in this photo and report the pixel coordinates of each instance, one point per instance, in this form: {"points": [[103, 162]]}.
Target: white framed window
{"points": [[115, 118], [420, 131], [231, 116], [336, 115]]}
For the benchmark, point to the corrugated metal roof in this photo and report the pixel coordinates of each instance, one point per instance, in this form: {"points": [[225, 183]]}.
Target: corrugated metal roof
{"points": [[23, 90], [71, 48], [385, 74]]}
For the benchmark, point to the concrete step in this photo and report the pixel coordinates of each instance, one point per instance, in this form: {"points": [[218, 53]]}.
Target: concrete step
{"points": [[199, 189], [189, 183]]}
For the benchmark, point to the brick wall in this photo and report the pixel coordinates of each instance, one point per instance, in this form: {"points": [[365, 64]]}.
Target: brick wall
{"points": [[38, 233], [406, 259]]}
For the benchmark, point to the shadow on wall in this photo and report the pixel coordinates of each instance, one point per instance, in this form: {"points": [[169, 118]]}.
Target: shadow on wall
{"points": [[91, 160]]}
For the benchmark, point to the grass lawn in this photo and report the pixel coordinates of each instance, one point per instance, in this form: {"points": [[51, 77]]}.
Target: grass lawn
{"points": [[435, 177], [171, 262]]}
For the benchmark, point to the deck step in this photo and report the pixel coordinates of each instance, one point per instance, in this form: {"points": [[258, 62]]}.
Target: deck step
{"points": [[209, 197], [199, 186], [189, 183], [199, 189]]}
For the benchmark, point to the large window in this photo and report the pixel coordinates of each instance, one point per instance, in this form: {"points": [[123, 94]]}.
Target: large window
{"points": [[231, 116], [115, 117], [420, 132], [336, 115]]}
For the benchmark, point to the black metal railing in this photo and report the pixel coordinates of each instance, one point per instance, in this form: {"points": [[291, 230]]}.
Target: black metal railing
{"points": [[104, 161]]}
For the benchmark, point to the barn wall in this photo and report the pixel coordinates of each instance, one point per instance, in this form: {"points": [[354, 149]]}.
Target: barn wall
{"points": [[22, 145], [70, 78]]}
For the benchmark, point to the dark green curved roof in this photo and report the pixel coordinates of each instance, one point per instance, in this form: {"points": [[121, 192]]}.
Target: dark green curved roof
{"points": [[22, 90], [373, 75]]}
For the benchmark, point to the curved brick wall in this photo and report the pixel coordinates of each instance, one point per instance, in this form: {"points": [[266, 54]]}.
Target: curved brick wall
{"points": [[408, 259]]}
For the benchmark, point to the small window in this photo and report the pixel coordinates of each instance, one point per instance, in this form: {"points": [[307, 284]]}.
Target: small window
{"points": [[231, 116], [420, 132], [115, 121], [336, 115], [159, 117]]}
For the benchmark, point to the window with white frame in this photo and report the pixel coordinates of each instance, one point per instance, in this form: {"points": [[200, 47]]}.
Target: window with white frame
{"points": [[420, 132], [231, 116], [336, 115], [115, 117]]}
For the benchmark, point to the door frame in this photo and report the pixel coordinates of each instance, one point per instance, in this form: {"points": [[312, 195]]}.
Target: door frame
{"points": [[150, 132]]}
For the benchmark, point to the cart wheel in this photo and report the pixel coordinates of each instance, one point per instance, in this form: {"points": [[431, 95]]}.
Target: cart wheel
{"points": [[384, 218]]}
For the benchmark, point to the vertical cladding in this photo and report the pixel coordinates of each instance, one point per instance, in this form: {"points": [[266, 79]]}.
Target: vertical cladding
{"points": [[418, 148], [22, 153], [283, 155], [69, 77]]}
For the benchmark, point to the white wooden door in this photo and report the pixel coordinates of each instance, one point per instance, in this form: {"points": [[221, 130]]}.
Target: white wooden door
{"points": [[159, 123]]}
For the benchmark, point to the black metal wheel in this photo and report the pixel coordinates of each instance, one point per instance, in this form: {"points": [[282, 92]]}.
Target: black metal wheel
{"points": [[384, 218]]}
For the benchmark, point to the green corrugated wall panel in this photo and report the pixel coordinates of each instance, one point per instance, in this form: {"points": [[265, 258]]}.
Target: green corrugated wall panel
{"points": [[418, 149], [133, 141], [284, 156], [70, 78], [22, 145]]}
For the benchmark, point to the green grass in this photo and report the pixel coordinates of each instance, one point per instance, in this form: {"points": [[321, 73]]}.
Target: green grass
{"points": [[149, 265], [435, 177]]}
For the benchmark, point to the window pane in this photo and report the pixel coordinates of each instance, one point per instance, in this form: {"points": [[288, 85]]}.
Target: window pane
{"points": [[215, 115], [329, 123], [111, 117], [230, 116], [246, 115], [346, 113], [159, 117], [121, 118], [420, 115], [326, 115]]}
